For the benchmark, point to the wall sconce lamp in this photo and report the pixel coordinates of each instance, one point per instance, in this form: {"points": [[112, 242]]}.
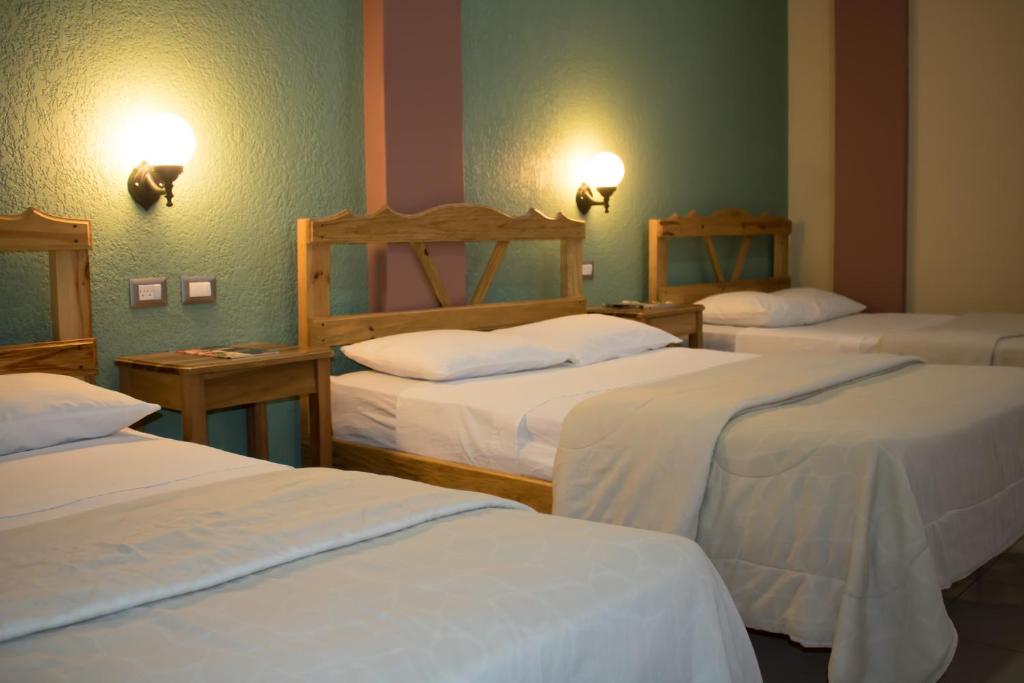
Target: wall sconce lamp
{"points": [[167, 142], [604, 172]]}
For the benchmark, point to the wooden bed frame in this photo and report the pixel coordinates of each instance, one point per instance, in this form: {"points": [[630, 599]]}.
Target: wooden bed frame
{"points": [[723, 223], [447, 223], [68, 241]]}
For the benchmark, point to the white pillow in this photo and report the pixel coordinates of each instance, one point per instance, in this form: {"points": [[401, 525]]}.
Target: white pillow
{"points": [[39, 410], [750, 309], [452, 354], [591, 337], [817, 306]]}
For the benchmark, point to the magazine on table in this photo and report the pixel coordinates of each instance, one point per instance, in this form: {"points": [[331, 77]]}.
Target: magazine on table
{"points": [[640, 305], [229, 351]]}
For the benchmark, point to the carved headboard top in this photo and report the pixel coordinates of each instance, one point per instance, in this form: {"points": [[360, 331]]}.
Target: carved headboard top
{"points": [[445, 223], [722, 223], [68, 241]]}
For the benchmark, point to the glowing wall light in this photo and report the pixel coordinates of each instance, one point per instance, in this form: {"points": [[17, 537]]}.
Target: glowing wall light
{"points": [[604, 173], [166, 143]]}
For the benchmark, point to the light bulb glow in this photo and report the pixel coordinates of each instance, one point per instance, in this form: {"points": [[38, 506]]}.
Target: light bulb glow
{"points": [[164, 140], [605, 170]]}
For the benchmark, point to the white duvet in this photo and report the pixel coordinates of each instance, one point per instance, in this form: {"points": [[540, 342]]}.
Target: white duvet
{"points": [[481, 595], [511, 423], [967, 494], [859, 333]]}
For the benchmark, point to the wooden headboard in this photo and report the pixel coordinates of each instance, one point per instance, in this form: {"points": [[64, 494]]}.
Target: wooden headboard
{"points": [[723, 223], [68, 241], [447, 223]]}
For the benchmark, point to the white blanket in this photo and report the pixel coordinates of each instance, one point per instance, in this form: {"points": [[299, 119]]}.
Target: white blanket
{"points": [[836, 518], [858, 333], [971, 339], [122, 556], [865, 333], [477, 595], [489, 421], [641, 456], [61, 480]]}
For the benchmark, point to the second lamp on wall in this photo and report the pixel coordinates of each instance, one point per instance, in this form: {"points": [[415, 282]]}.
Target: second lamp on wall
{"points": [[604, 173]]}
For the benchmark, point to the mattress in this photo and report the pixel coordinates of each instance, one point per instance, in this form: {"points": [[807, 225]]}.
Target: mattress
{"points": [[471, 592], [510, 423], [858, 333]]}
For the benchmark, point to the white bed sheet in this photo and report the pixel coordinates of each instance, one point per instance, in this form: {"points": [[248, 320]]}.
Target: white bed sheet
{"points": [[511, 423], [857, 333], [61, 480], [510, 598]]}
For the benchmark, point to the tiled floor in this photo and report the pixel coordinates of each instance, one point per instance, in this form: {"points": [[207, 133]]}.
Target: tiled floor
{"points": [[987, 609]]}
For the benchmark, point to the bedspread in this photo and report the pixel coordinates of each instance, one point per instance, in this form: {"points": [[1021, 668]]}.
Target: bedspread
{"points": [[238, 581], [181, 542], [971, 339], [835, 519], [640, 456]]}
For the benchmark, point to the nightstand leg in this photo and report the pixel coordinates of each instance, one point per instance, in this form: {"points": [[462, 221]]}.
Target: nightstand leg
{"points": [[256, 421], [124, 380], [193, 412], [320, 416]]}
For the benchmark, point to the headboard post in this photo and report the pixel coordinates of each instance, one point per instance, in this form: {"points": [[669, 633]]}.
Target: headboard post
{"points": [[780, 255], [657, 260], [70, 307], [723, 223], [314, 286], [572, 267]]}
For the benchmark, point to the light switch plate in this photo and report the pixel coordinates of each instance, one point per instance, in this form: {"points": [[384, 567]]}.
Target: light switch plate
{"points": [[588, 270], [198, 289], [147, 292]]}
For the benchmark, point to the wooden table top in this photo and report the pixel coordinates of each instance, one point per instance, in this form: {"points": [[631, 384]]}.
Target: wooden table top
{"points": [[186, 364], [656, 312]]}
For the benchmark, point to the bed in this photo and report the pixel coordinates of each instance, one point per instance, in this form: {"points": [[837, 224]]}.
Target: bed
{"points": [[972, 339], [836, 493], [126, 556]]}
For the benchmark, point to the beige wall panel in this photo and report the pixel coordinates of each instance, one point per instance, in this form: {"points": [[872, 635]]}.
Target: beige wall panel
{"points": [[811, 141], [966, 191]]}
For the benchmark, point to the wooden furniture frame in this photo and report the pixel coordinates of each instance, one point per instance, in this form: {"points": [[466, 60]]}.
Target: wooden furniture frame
{"points": [[723, 223], [679, 319], [68, 241], [195, 385], [446, 223]]}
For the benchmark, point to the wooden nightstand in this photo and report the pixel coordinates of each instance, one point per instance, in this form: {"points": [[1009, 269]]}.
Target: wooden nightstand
{"points": [[678, 319], [195, 385]]}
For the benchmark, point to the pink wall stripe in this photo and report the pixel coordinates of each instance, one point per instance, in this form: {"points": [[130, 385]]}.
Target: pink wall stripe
{"points": [[870, 248], [412, 66]]}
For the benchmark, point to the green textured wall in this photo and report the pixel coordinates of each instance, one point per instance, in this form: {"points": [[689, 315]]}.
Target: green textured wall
{"points": [[273, 91], [690, 93]]}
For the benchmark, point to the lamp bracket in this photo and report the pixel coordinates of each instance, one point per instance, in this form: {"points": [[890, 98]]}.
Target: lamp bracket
{"points": [[585, 198], [146, 184]]}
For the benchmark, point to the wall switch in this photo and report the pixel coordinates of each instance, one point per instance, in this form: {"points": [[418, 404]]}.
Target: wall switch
{"points": [[198, 289], [147, 292], [588, 270]]}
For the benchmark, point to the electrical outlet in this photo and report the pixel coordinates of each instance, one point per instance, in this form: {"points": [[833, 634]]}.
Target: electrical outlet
{"points": [[147, 292], [588, 270]]}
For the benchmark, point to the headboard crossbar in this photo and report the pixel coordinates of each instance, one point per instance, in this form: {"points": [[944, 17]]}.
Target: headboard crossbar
{"points": [[68, 241], [723, 223], [447, 223]]}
